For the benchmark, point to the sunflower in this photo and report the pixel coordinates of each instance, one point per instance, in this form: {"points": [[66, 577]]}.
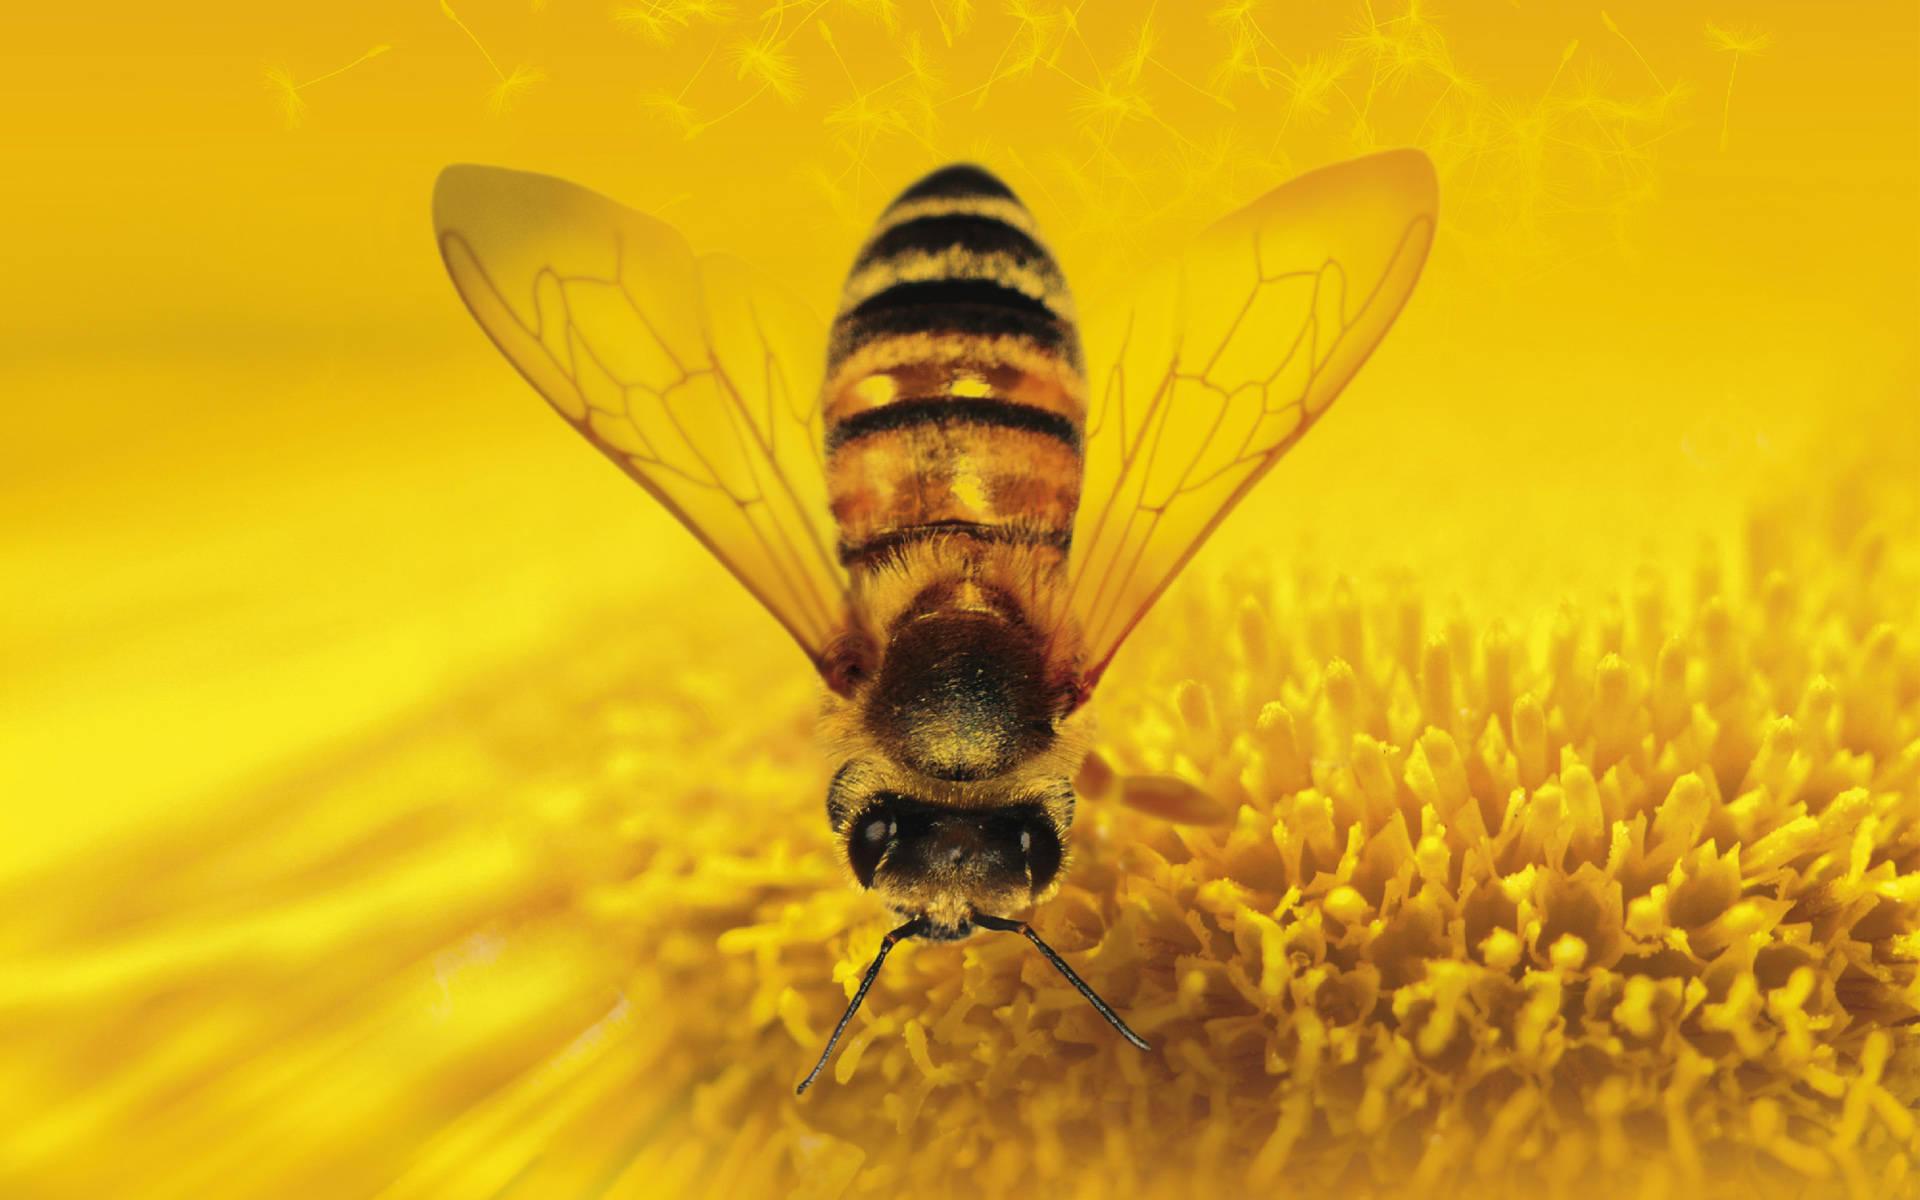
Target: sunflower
{"points": [[1625, 901]]}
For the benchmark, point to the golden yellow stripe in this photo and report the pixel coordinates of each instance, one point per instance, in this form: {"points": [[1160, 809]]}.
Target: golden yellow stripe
{"points": [[922, 364], [1044, 284], [1012, 212]]}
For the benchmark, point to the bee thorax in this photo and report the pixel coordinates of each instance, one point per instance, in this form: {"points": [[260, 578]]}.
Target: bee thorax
{"points": [[962, 695]]}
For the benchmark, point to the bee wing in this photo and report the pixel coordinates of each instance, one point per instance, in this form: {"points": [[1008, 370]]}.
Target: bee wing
{"points": [[1222, 360], [693, 376]]}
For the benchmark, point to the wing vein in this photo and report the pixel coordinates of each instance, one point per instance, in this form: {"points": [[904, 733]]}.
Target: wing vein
{"points": [[1166, 466]]}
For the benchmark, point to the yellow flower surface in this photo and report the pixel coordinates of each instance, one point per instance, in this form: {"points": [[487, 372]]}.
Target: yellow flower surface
{"points": [[1520, 796], [1628, 904]]}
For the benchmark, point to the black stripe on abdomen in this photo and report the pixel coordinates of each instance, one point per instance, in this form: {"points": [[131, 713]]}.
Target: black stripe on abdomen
{"points": [[939, 410], [853, 331], [875, 548], [960, 179], [976, 234], [940, 292]]}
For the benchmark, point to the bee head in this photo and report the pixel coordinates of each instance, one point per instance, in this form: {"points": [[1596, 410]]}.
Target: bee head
{"points": [[949, 862], [951, 869]]}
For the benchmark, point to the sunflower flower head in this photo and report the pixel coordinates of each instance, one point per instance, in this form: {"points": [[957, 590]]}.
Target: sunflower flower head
{"points": [[1626, 901]]}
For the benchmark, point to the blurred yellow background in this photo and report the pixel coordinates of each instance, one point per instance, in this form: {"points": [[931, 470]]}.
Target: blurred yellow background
{"points": [[268, 491]]}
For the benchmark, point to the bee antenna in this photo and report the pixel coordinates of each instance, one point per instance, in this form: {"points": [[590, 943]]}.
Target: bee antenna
{"points": [[1002, 925], [912, 928]]}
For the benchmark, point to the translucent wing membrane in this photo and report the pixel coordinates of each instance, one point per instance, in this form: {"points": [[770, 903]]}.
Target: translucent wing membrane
{"points": [[1222, 360], [698, 380]]}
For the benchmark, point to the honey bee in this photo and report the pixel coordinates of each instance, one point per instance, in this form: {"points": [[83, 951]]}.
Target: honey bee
{"points": [[962, 524]]}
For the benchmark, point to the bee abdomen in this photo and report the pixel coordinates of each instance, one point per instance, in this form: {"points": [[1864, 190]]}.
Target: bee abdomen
{"points": [[956, 394]]}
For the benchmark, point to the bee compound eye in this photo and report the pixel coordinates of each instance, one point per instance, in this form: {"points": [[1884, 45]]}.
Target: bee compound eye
{"points": [[1041, 849], [868, 842]]}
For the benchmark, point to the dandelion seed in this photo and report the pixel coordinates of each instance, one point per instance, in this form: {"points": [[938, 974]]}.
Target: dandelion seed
{"points": [[953, 17], [920, 69], [1615, 30], [455, 18], [887, 12], [1107, 106], [1405, 46], [1736, 43], [1566, 56], [675, 110], [861, 120], [833, 48], [503, 95], [510, 85], [1039, 29], [764, 60], [293, 106], [840, 199], [1244, 39], [1311, 84], [1234, 14], [1140, 55], [1241, 63], [647, 20], [647, 16]]}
